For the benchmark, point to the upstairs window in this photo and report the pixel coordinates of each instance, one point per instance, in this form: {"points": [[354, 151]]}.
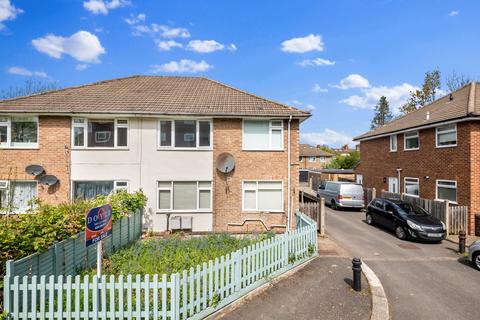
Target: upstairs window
{"points": [[446, 136], [185, 134], [99, 133], [393, 143], [19, 132], [411, 140], [263, 135], [311, 159]]}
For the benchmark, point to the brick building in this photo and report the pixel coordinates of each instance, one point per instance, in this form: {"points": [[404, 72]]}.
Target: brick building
{"points": [[432, 153], [314, 158]]}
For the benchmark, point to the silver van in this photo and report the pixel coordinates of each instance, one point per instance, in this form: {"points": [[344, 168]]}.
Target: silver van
{"points": [[342, 194]]}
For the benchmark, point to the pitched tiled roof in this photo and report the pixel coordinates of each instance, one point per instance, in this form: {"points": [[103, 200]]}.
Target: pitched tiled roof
{"points": [[152, 95], [311, 151], [465, 102]]}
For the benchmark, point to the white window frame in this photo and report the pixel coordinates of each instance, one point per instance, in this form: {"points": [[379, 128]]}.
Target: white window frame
{"points": [[197, 135], [323, 159], [437, 133], [393, 137], [18, 145], [271, 128], [170, 188], [256, 189], [405, 186], [84, 125], [116, 187], [312, 159], [8, 190], [417, 135], [438, 182]]}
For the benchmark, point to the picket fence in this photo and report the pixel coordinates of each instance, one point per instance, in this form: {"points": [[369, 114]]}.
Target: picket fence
{"points": [[193, 293]]}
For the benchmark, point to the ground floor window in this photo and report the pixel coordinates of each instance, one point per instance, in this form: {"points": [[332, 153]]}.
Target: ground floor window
{"points": [[184, 195], [91, 189], [17, 196], [263, 196], [446, 190], [412, 186]]}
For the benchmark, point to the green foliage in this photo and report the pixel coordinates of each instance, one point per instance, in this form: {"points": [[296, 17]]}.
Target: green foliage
{"points": [[292, 257], [311, 249], [426, 95], [383, 115], [327, 149], [215, 300], [3, 315], [345, 162]]}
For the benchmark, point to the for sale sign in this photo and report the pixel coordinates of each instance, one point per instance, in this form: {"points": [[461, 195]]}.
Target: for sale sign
{"points": [[98, 224]]}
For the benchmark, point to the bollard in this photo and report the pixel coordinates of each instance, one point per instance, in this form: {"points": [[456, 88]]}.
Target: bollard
{"points": [[462, 236], [357, 274]]}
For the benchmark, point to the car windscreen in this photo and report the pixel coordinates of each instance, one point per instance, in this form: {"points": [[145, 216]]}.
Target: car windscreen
{"points": [[351, 189], [410, 209]]}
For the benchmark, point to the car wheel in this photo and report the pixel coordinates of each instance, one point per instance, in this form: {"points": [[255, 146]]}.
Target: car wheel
{"points": [[333, 204], [400, 233], [369, 219], [476, 260]]}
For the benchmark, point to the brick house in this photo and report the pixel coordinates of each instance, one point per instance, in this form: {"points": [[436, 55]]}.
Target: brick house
{"points": [[432, 153], [162, 135], [313, 157]]}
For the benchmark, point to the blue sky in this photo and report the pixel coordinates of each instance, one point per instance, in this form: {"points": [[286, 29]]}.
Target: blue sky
{"points": [[332, 57]]}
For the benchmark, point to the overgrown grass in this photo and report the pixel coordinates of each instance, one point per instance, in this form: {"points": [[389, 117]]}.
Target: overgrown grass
{"points": [[159, 256]]}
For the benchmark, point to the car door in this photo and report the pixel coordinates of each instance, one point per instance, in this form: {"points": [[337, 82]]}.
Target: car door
{"points": [[377, 211], [390, 217]]}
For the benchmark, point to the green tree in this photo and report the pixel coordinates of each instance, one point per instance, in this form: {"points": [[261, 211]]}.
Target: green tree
{"points": [[383, 115], [345, 162], [327, 149], [426, 95]]}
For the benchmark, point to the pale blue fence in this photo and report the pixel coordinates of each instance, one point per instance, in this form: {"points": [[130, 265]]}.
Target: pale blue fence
{"points": [[193, 293]]}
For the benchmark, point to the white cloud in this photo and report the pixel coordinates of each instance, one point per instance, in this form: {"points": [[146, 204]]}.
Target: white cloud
{"points": [[326, 137], [102, 7], [308, 43], [310, 108], [139, 18], [7, 12], [204, 46], [317, 88], [316, 62], [454, 13], [232, 47], [167, 45], [21, 71], [81, 66], [139, 27], [82, 46], [182, 66], [353, 81], [169, 32], [295, 102], [396, 96]]}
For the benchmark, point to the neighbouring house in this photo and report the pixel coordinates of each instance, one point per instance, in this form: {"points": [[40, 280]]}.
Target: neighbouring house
{"points": [[345, 150], [313, 157], [430, 153], [163, 135]]}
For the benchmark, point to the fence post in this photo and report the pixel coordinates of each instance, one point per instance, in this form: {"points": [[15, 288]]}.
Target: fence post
{"points": [[322, 217], [56, 258], [447, 217], [237, 271], [9, 274], [175, 296]]}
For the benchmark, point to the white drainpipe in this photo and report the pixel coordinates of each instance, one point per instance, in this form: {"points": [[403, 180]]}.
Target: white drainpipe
{"points": [[289, 192]]}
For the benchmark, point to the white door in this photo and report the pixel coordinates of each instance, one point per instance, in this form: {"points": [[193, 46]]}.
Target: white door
{"points": [[393, 185]]}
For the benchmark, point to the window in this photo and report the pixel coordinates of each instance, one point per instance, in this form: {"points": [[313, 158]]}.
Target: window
{"points": [[323, 159], [446, 136], [121, 185], [263, 196], [447, 190], [311, 159], [99, 133], [17, 196], [91, 189], [185, 133], [19, 132], [184, 195], [262, 135], [411, 140], [411, 186], [393, 143]]}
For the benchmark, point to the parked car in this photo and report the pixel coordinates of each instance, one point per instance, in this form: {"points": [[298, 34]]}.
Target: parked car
{"points": [[342, 194], [474, 254], [407, 220]]}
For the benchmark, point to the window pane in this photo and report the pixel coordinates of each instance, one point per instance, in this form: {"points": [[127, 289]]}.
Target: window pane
{"points": [[78, 136], [3, 199], [204, 184], [411, 143], [101, 133], [204, 201], [90, 189], [276, 139], [24, 130], [185, 133], [164, 184], [269, 185], [3, 134], [393, 142], [249, 185], [122, 140], [447, 193], [22, 193], [269, 200], [250, 201], [411, 188], [445, 139], [204, 133], [256, 135], [165, 133], [164, 199], [184, 195]]}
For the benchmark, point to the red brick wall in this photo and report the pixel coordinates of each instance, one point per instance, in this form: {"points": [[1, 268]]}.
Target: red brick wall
{"points": [[255, 165], [53, 154]]}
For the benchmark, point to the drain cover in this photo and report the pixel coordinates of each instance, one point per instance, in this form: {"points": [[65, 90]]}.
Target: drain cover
{"points": [[408, 246]]}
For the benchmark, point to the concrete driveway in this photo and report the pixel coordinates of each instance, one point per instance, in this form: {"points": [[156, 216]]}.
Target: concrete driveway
{"points": [[422, 281]]}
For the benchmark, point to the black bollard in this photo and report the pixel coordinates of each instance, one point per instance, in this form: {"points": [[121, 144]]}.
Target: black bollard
{"points": [[462, 236], [357, 274]]}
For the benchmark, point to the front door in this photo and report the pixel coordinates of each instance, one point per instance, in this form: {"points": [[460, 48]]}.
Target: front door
{"points": [[393, 185]]}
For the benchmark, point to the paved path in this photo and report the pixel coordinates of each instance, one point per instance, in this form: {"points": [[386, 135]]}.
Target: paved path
{"points": [[318, 291], [422, 281]]}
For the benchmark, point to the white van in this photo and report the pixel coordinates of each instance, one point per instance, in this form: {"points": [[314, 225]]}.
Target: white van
{"points": [[342, 194]]}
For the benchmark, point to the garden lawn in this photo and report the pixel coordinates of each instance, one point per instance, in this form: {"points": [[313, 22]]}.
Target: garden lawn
{"points": [[159, 256]]}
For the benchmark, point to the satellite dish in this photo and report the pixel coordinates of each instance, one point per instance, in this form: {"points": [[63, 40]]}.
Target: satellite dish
{"points": [[225, 162], [34, 169], [48, 180]]}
